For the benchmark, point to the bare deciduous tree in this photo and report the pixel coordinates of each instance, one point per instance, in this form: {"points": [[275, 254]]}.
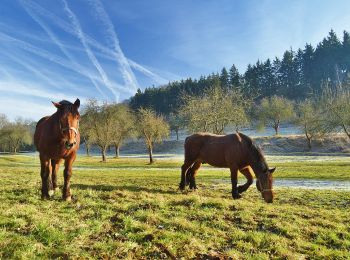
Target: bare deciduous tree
{"points": [[152, 128], [16, 134], [176, 123], [124, 125], [86, 131], [215, 110], [100, 120], [335, 104], [307, 118], [273, 111]]}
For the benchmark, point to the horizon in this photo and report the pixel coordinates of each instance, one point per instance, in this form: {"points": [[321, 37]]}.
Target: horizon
{"points": [[67, 50]]}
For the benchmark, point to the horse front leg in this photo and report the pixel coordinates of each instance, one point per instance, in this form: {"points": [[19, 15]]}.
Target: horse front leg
{"points": [[248, 173], [45, 173], [55, 168], [67, 173], [234, 175]]}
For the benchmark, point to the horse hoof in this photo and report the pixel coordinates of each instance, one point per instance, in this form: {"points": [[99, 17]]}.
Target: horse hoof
{"points": [[51, 193], [236, 196], [68, 199], [45, 197], [182, 187]]}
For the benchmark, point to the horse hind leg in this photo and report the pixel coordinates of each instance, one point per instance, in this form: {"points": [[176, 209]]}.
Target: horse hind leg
{"points": [[192, 178], [248, 173], [184, 169]]}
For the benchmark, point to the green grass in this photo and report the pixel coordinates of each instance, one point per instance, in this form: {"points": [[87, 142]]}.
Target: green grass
{"points": [[128, 209]]}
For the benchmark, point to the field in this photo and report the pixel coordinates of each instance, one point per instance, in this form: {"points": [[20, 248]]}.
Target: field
{"points": [[126, 208]]}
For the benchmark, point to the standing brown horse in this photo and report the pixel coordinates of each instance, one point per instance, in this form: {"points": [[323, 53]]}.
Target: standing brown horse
{"points": [[57, 138], [234, 151]]}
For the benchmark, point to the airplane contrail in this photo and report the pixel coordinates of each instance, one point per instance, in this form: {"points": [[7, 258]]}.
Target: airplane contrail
{"points": [[67, 28], [147, 72], [128, 75], [43, 54], [31, 68], [24, 89], [91, 56], [60, 46], [58, 83]]}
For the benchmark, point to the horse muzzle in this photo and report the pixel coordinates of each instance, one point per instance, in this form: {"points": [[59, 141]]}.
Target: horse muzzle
{"points": [[267, 195], [69, 145]]}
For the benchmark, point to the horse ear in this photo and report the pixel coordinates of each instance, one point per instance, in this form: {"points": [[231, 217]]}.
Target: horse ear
{"points": [[77, 103], [56, 104], [272, 170]]}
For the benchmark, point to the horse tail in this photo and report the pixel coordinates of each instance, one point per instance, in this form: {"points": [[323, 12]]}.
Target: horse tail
{"points": [[193, 144], [187, 147]]}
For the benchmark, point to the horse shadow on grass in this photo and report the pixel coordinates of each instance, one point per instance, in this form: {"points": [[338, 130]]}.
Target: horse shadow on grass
{"points": [[132, 188]]}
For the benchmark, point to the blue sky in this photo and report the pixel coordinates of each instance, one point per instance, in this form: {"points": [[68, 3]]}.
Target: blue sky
{"points": [[64, 49]]}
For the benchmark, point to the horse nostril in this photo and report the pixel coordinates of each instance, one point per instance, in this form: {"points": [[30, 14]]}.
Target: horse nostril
{"points": [[69, 145]]}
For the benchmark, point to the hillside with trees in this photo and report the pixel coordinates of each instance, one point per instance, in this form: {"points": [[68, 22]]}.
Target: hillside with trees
{"points": [[296, 75]]}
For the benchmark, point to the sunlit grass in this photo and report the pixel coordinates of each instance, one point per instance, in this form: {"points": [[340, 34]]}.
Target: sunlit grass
{"points": [[129, 209]]}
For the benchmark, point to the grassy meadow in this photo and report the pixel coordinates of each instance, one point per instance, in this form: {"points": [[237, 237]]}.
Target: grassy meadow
{"points": [[126, 208]]}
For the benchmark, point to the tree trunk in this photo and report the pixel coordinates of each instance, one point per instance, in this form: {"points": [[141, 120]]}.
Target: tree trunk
{"points": [[309, 143], [150, 154], [87, 147], [276, 127], [308, 137], [177, 135], [346, 131], [117, 151], [103, 150]]}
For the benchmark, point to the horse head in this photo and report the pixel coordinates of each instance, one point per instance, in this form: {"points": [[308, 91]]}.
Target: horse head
{"points": [[262, 172], [68, 120], [264, 184]]}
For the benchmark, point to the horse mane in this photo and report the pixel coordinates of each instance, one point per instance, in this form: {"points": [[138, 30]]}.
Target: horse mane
{"points": [[256, 151], [41, 120], [68, 106]]}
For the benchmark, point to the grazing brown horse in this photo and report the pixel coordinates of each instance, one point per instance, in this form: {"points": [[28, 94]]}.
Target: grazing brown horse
{"points": [[57, 138], [234, 151]]}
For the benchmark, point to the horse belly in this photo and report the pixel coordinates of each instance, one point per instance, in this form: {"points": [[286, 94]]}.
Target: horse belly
{"points": [[214, 155]]}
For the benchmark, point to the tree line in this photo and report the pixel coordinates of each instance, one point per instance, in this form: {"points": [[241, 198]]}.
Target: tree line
{"points": [[106, 125], [219, 109], [216, 110], [15, 135], [298, 75]]}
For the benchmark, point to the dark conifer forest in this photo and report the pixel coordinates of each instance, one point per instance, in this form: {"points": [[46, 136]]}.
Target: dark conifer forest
{"points": [[297, 75]]}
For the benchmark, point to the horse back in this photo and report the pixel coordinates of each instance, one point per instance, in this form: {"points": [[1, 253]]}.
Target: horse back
{"points": [[216, 150]]}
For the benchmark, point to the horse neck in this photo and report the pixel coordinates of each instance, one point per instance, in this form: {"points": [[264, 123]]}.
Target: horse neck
{"points": [[256, 166], [257, 163], [55, 124]]}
